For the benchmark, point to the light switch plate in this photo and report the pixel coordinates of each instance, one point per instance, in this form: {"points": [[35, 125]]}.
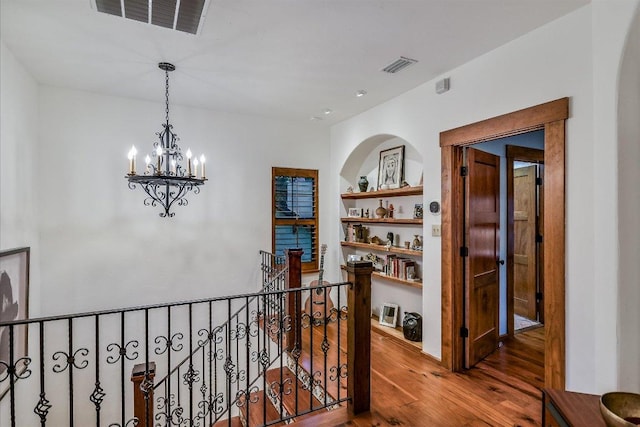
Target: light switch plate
{"points": [[436, 230]]}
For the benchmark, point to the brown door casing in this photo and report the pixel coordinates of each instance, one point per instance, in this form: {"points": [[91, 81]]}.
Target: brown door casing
{"points": [[551, 117]]}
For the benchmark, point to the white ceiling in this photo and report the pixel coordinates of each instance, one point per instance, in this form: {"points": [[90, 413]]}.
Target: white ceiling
{"points": [[289, 59]]}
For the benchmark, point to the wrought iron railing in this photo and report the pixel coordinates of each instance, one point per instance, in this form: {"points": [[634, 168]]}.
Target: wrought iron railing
{"points": [[226, 357]]}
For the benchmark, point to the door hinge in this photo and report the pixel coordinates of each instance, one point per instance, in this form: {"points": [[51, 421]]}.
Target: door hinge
{"points": [[539, 238], [464, 251], [464, 171], [538, 181], [464, 332], [539, 296]]}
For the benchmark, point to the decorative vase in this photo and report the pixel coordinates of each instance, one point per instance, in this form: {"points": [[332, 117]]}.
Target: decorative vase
{"points": [[381, 212], [416, 242], [363, 183]]}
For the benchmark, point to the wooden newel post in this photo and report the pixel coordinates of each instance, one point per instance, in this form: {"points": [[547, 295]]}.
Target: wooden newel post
{"points": [[359, 336], [294, 306], [143, 408]]}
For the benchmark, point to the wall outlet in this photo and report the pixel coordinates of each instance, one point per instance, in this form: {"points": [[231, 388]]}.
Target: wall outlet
{"points": [[436, 230]]}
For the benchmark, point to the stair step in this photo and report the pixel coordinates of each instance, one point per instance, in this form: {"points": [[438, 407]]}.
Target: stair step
{"points": [[256, 408], [290, 392], [337, 417], [235, 422]]}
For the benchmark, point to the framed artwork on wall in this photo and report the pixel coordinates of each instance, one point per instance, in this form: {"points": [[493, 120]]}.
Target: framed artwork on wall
{"points": [[14, 305], [391, 168]]}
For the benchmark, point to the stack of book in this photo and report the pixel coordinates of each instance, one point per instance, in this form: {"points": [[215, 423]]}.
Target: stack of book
{"points": [[402, 268]]}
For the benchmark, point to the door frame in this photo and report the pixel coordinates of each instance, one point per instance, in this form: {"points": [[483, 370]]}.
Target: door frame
{"points": [[551, 117], [514, 153]]}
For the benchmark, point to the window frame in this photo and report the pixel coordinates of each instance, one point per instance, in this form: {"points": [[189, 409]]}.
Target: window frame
{"points": [[309, 266]]}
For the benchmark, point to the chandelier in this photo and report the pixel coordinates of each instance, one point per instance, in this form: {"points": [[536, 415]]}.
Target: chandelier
{"points": [[164, 179]]}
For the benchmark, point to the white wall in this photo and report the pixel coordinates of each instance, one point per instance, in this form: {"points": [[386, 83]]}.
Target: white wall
{"points": [[628, 208], [102, 248], [554, 61], [611, 22], [18, 143]]}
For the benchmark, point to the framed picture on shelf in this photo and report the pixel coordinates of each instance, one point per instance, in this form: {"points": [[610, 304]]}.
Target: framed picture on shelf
{"points": [[391, 168], [354, 213], [417, 211], [388, 314], [14, 305]]}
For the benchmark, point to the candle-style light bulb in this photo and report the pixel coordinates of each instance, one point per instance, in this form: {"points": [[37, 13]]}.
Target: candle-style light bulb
{"points": [[159, 154], [173, 166], [132, 160], [189, 162], [195, 167], [202, 160], [147, 161]]}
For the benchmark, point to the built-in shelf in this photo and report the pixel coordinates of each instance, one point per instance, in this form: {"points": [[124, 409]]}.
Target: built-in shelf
{"points": [[412, 221], [395, 334], [404, 191], [381, 248], [412, 283]]}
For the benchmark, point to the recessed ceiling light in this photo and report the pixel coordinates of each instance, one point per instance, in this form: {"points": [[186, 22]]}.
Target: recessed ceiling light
{"points": [[361, 93], [327, 111], [315, 118]]}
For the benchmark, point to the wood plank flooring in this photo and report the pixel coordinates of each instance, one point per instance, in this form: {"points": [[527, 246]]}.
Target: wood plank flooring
{"points": [[409, 390]]}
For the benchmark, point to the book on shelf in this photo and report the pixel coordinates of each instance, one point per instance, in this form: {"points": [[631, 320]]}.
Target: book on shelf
{"points": [[400, 267]]}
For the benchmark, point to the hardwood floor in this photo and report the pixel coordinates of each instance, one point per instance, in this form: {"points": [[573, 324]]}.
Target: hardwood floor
{"points": [[409, 390]]}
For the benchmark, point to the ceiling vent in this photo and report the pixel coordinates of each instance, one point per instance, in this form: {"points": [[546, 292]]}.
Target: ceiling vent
{"points": [[398, 65], [180, 15]]}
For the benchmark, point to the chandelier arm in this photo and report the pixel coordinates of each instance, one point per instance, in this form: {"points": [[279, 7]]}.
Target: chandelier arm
{"points": [[179, 197]]}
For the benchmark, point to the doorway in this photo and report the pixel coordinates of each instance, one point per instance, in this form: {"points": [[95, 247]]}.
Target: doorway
{"points": [[551, 117]]}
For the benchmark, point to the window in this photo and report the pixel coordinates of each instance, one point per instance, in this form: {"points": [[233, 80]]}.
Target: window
{"points": [[295, 213]]}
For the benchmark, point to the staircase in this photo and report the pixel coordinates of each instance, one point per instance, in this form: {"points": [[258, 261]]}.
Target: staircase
{"points": [[247, 360], [293, 393]]}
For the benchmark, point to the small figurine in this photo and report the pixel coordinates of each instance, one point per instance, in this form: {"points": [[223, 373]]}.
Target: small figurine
{"points": [[349, 189], [391, 210], [404, 184], [366, 213]]}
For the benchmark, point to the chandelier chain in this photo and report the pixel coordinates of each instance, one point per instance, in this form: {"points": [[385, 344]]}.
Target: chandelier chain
{"points": [[166, 94]]}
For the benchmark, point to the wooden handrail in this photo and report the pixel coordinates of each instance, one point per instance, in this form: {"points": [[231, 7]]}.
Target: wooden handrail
{"points": [[359, 336]]}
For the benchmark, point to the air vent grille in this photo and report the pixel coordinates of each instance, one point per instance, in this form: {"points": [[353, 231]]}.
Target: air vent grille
{"points": [[181, 15], [398, 65]]}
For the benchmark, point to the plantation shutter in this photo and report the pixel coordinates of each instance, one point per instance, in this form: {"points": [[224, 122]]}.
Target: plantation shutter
{"points": [[295, 213]]}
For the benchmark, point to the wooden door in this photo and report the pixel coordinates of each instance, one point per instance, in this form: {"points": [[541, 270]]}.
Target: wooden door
{"points": [[481, 269], [524, 228], [540, 244]]}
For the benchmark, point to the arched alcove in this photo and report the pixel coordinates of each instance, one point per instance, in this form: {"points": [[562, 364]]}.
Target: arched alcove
{"points": [[628, 208], [394, 287], [363, 160]]}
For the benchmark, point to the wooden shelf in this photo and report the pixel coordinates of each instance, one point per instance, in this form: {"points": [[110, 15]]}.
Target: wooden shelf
{"points": [[413, 221], [395, 334], [411, 283], [404, 191], [383, 276], [381, 248]]}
